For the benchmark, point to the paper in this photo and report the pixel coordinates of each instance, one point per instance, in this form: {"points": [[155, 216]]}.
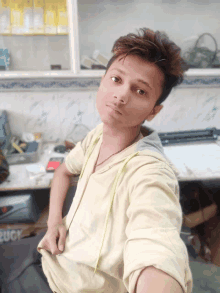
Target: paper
{"points": [[195, 160]]}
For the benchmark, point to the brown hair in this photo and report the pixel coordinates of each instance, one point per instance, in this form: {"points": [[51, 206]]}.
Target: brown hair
{"points": [[157, 48]]}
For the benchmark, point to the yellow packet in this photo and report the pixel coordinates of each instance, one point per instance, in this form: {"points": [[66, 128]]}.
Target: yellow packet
{"points": [[62, 27], [38, 15], [50, 17], [5, 13]]}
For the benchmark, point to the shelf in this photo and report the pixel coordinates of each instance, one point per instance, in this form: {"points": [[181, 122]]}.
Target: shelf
{"points": [[192, 73], [203, 72], [67, 80], [32, 34]]}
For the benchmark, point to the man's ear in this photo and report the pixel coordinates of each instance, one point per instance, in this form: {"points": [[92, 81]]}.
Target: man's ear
{"points": [[154, 112]]}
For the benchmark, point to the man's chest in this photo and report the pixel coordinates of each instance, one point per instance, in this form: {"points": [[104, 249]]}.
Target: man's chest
{"points": [[97, 198]]}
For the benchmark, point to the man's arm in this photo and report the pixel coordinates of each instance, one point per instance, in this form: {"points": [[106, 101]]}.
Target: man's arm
{"points": [[152, 280], [152, 232], [59, 188]]}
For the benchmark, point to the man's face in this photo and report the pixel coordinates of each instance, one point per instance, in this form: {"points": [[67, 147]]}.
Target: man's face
{"points": [[128, 92]]}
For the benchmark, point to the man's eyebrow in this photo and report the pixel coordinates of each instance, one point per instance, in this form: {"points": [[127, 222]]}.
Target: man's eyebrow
{"points": [[139, 80]]}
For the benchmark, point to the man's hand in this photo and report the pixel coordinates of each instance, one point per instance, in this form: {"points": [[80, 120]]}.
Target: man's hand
{"points": [[54, 239], [152, 280]]}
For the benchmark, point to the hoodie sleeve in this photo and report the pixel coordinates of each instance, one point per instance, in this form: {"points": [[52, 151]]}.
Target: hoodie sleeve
{"points": [[153, 229], [75, 159]]}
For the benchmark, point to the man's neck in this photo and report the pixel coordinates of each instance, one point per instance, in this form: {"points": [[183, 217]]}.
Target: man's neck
{"points": [[117, 139]]}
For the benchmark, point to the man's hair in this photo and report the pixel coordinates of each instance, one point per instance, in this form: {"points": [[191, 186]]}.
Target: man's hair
{"points": [[157, 48]]}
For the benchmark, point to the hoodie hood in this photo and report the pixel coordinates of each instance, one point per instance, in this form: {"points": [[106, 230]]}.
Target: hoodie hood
{"points": [[150, 141]]}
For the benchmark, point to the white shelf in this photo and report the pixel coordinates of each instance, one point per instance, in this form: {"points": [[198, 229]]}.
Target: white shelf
{"points": [[51, 74], [203, 72], [90, 74]]}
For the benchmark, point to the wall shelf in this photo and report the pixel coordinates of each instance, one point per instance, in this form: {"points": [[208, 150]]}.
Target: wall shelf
{"points": [[86, 80], [191, 73]]}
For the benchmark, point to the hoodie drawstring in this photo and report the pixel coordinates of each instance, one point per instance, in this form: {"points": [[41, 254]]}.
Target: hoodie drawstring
{"points": [[113, 190], [112, 194]]}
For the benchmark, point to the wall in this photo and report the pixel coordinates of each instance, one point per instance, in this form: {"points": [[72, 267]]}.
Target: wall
{"points": [[57, 114], [37, 52], [101, 22]]}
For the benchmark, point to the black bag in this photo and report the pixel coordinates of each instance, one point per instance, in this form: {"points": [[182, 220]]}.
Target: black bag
{"points": [[20, 267], [4, 168]]}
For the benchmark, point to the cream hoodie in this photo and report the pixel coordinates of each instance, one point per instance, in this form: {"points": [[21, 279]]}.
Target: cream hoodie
{"points": [[124, 217]]}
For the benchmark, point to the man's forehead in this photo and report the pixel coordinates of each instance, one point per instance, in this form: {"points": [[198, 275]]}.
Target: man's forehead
{"points": [[137, 65], [142, 70], [134, 62]]}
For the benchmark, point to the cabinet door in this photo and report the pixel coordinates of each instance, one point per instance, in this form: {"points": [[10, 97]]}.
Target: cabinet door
{"points": [[34, 35], [101, 22]]}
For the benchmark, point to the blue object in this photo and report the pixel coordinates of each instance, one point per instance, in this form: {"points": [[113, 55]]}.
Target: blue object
{"points": [[4, 59], [32, 147]]}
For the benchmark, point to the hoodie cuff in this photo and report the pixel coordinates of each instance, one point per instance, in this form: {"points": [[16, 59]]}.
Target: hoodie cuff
{"points": [[156, 250]]}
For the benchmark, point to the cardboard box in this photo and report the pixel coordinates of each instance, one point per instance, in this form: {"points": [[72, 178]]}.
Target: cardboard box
{"points": [[212, 234], [201, 216]]}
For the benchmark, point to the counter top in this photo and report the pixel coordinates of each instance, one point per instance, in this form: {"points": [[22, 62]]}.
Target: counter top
{"points": [[193, 161], [21, 178]]}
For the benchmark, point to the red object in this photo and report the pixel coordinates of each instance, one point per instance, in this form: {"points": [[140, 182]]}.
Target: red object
{"points": [[4, 210], [51, 166], [54, 163]]}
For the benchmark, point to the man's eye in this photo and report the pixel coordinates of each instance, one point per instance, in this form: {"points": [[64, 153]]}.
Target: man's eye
{"points": [[141, 92], [115, 79]]}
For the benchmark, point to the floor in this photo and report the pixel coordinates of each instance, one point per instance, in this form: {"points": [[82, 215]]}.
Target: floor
{"points": [[206, 276]]}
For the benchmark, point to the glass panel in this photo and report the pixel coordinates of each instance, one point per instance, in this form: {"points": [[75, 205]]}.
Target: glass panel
{"points": [[34, 35], [101, 22]]}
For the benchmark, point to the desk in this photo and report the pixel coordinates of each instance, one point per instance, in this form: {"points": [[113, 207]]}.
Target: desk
{"points": [[21, 179], [19, 182], [194, 161]]}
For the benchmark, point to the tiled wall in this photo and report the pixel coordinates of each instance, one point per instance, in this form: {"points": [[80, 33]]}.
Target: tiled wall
{"points": [[61, 115]]}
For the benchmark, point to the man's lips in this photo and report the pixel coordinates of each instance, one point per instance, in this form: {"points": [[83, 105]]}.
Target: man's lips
{"points": [[114, 108]]}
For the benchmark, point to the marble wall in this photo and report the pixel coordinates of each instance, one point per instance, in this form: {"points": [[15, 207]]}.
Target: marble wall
{"points": [[189, 108], [71, 114]]}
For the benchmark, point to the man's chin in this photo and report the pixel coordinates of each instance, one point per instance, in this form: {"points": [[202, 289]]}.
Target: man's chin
{"points": [[112, 122]]}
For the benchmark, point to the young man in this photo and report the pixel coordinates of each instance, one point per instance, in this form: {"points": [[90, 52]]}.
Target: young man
{"points": [[122, 232]]}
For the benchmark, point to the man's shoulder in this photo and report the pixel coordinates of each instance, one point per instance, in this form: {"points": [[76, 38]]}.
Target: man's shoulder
{"points": [[149, 162]]}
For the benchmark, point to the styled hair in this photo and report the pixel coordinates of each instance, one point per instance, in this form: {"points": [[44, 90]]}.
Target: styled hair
{"points": [[157, 48]]}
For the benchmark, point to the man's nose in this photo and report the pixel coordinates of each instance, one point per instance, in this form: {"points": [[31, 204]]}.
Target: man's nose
{"points": [[122, 95]]}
